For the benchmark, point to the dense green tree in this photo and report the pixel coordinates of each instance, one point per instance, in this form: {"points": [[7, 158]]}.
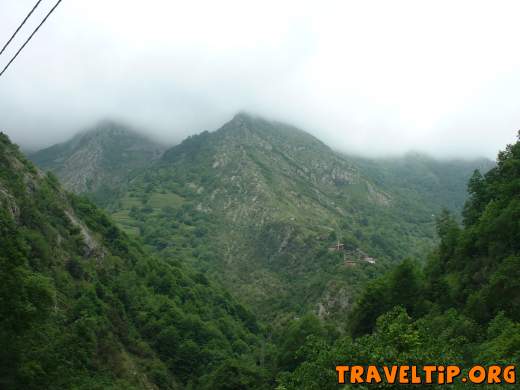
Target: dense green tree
{"points": [[234, 374], [404, 286], [294, 337], [83, 306], [462, 309]]}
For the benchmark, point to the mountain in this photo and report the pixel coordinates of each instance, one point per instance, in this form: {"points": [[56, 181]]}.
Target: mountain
{"points": [[462, 308], [84, 306], [260, 208], [258, 204], [434, 183], [98, 160]]}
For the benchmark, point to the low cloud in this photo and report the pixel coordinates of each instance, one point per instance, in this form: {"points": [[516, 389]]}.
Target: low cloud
{"points": [[372, 77]]}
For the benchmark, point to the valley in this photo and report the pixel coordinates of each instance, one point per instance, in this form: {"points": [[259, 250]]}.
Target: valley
{"points": [[253, 256], [259, 195], [256, 204]]}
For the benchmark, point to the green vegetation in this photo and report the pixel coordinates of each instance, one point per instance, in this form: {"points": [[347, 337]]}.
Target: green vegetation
{"points": [[256, 205], [98, 161], [82, 306], [461, 308], [253, 209], [423, 184]]}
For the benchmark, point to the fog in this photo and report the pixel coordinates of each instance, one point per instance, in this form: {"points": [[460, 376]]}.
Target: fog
{"points": [[369, 77]]}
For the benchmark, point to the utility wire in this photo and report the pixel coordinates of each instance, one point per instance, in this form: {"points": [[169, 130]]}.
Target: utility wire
{"points": [[20, 26], [32, 35]]}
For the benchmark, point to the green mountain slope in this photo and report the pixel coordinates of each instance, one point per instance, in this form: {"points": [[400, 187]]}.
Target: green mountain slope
{"points": [[429, 183], [461, 308], [96, 162], [258, 204], [82, 306]]}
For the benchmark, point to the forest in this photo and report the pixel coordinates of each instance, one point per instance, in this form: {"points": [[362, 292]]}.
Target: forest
{"points": [[461, 307], [268, 195], [86, 306]]}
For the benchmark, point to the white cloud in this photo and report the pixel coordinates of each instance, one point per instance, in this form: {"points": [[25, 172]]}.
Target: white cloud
{"points": [[373, 77]]}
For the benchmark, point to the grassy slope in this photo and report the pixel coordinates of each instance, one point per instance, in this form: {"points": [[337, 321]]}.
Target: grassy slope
{"points": [[258, 203], [96, 162], [83, 306]]}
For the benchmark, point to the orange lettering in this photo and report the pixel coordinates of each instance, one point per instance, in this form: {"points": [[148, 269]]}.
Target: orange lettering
{"points": [[440, 377], [355, 374], [451, 373], [510, 375], [493, 374], [390, 375], [341, 373], [403, 374], [429, 370], [416, 379], [477, 378], [373, 375]]}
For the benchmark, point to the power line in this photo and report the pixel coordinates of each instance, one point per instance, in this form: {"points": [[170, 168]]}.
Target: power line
{"points": [[20, 26], [30, 37]]}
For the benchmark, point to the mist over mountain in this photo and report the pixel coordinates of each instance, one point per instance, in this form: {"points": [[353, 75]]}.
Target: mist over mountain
{"points": [[236, 250], [441, 182], [99, 160], [282, 195], [461, 308], [258, 203], [317, 66]]}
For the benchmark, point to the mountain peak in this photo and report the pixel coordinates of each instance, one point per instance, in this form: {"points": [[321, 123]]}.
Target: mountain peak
{"points": [[109, 128], [243, 115], [249, 132], [104, 153], [246, 124], [244, 118]]}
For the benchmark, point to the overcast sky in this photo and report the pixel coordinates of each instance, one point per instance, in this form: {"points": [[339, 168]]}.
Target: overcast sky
{"points": [[372, 77]]}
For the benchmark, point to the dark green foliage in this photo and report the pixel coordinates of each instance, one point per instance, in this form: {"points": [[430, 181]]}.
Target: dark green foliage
{"points": [[402, 286], [425, 185], [464, 308], [97, 162], [26, 299], [502, 345], [83, 306], [396, 340], [293, 337], [479, 265], [256, 204], [253, 203], [234, 374]]}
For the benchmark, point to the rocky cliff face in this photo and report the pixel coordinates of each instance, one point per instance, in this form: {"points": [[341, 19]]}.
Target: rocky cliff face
{"points": [[262, 202], [99, 158], [257, 203], [254, 168], [84, 306]]}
